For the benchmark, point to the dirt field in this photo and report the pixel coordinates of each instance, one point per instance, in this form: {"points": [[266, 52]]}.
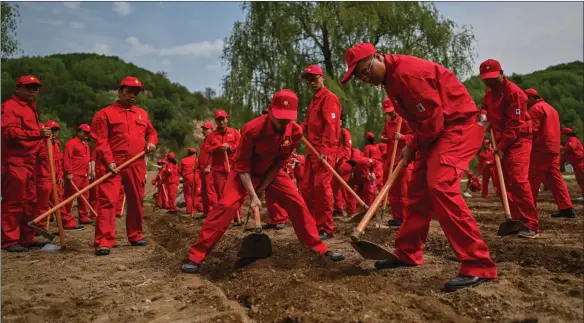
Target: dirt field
{"points": [[540, 280]]}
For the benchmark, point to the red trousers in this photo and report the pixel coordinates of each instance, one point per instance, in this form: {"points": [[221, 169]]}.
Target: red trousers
{"points": [[398, 193], [318, 193], [546, 168], [120, 205], [81, 182], [515, 166], [94, 201], [171, 189], [490, 172], [44, 195], [95, 205], [17, 176], [132, 180], [276, 213], [435, 190], [281, 189], [219, 180], [340, 194], [579, 172], [198, 203], [208, 194], [161, 200], [192, 192]]}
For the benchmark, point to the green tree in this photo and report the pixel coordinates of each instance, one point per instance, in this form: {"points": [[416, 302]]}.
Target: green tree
{"points": [[10, 16]]}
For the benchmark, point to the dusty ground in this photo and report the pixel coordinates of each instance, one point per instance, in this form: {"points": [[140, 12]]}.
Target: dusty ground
{"points": [[540, 280]]}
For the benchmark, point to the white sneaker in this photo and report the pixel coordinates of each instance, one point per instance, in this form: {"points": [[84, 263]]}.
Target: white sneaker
{"points": [[467, 194]]}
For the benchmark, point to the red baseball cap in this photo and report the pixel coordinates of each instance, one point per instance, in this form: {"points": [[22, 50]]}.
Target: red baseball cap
{"points": [[314, 70], [160, 161], [131, 81], [531, 92], [28, 79], [370, 135], [354, 55], [490, 69], [170, 155], [207, 125], [387, 105], [220, 114], [469, 173], [284, 105], [52, 124], [567, 131], [84, 127], [192, 150]]}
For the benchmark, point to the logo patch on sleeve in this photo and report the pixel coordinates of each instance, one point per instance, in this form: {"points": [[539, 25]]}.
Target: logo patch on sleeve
{"points": [[333, 115], [420, 108], [517, 111]]}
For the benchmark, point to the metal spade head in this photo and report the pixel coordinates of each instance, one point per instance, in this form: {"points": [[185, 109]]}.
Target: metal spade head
{"points": [[356, 218], [49, 247], [256, 245], [370, 250], [510, 227], [42, 231]]}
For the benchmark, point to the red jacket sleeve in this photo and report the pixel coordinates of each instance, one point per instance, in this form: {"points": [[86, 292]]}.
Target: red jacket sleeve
{"points": [[512, 121], [424, 102], [244, 153], [11, 128], [100, 135], [67, 158], [536, 113], [237, 138], [331, 113]]}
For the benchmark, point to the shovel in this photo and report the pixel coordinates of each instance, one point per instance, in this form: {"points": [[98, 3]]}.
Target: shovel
{"points": [[55, 193], [84, 199], [229, 171], [384, 206], [357, 217], [510, 226], [367, 249], [256, 245]]}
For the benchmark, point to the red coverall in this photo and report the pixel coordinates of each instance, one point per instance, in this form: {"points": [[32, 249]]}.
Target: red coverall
{"points": [[474, 183], [215, 140], [100, 171], [488, 170], [161, 201], [20, 143], [398, 193], [208, 194], [299, 171], [544, 164], [44, 185], [366, 189], [446, 137], [322, 127], [120, 134], [261, 147], [574, 154], [507, 112], [93, 200], [76, 161], [372, 151], [171, 181], [344, 169], [187, 170]]}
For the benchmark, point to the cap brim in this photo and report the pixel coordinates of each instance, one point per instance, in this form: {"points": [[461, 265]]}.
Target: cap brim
{"points": [[490, 75], [348, 74], [388, 110], [284, 114]]}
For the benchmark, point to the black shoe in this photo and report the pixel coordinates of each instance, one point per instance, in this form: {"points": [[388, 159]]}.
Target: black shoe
{"points": [[172, 212], [324, 236], [528, 234], [463, 281], [394, 223], [87, 222], [390, 264], [280, 226], [189, 267], [269, 226], [15, 248], [337, 213], [139, 243], [37, 244], [335, 256], [103, 251], [75, 228], [567, 213]]}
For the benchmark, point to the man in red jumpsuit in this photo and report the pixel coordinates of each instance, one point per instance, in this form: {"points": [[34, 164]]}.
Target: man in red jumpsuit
{"points": [[187, 168], [44, 184], [574, 154], [208, 194], [398, 193], [21, 139], [446, 137], [487, 168], [161, 195], [473, 184], [372, 151], [120, 132], [267, 145], [544, 164], [344, 170], [322, 128], [171, 180], [76, 162], [505, 105]]}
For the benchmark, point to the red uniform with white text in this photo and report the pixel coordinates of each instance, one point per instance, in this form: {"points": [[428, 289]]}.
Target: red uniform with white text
{"points": [[76, 162]]}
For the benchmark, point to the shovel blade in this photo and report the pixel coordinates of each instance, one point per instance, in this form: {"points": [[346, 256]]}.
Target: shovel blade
{"points": [[356, 218], [370, 250], [256, 245], [510, 227], [49, 247], [42, 231]]}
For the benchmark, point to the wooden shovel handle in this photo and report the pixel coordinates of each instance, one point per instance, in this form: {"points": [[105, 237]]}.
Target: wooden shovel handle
{"points": [[88, 187], [399, 124], [227, 161], [501, 179], [85, 200], [336, 175], [256, 219], [380, 197], [55, 192]]}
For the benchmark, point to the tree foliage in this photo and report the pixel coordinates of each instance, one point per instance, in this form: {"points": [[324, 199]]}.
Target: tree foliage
{"points": [[278, 40], [10, 16]]}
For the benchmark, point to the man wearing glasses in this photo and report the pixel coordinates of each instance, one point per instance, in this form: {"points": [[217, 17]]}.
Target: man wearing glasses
{"points": [[322, 128], [21, 138], [446, 137]]}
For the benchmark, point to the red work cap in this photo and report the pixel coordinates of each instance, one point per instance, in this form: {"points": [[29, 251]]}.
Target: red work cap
{"points": [[314, 70], [220, 114], [354, 55], [285, 105], [490, 69], [531, 92], [163, 161], [159, 161], [370, 135], [486, 141], [470, 173], [131, 81], [28, 79], [192, 150], [567, 131], [387, 105], [84, 127], [207, 125], [52, 124], [170, 155]]}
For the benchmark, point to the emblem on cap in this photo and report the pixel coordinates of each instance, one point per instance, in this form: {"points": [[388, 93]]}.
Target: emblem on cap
{"points": [[32, 78], [136, 81], [285, 102], [487, 67]]}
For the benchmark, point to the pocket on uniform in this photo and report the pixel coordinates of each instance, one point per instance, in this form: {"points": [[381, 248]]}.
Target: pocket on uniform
{"points": [[118, 126]]}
